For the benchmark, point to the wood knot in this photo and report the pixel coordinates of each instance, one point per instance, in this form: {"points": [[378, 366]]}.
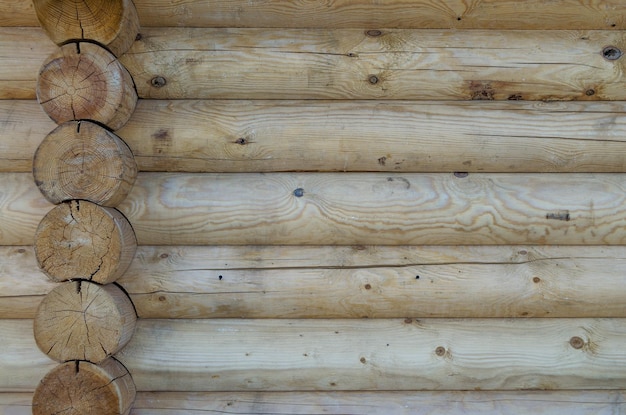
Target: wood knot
{"points": [[576, 342], [611, 53], [440, 351], [590, 92], [368, 287], [373, 32], [373, 79], [536, 280], [158, 82]]}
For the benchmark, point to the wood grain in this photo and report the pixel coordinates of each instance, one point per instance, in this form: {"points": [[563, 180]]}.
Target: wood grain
{"points": [[307, 355], [22, 51], [586, 402], [397, 64], [348, 209], [351, 282], [492, 14], [398, 136], [349, 64]]}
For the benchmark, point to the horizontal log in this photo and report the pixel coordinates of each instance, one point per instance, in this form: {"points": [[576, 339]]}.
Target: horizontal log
{"points": [[307, 355], [587, 402], [351, 208], [22, 52], [399, 136], [492, 14], [180, 63], [350, 282]]}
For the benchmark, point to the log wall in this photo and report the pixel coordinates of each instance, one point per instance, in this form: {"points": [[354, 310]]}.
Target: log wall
{"points": [[347, 207]]}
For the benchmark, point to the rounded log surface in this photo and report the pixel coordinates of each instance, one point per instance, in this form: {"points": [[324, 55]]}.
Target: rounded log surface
{"points": [[112, 23], [82, 160], [80, 320], [75, 388], [83, 81], [81, 240]]}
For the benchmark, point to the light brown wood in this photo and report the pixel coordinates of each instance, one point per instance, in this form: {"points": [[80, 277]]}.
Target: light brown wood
{"points": [[398, 136], [306, 355], [349, 209], [178, 63], [22, 50], [492, 14], [83, 81], [77, 388], [82, 160], [80, 320], [587, 402], [113, 23], [81, 240], [408, 64], [350, 282], [353, 354], [381, 209]]}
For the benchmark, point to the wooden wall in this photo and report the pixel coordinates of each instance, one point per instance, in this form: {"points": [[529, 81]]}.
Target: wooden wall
{"points": [[402, 206]]}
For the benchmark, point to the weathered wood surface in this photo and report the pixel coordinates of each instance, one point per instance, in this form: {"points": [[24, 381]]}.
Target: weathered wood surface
{"points": [[493, 14], [351, 208], [307, 355], [350, 64], [399, 136], [350, 282], [22, 51], [397, 64], [587, 402]]}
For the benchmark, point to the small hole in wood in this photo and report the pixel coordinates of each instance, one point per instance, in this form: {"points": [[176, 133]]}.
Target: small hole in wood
{"points": [[373, 33], [590, 92], [368, 287], [440, 351], [373, 79], [461, 174], [299, 192], [158, 82]]}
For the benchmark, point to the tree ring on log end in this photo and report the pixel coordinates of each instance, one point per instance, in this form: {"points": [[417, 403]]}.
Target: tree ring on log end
{"points": [[112, 23], [83, 81], [81, 240], [82, 160], [78, 388], [80, 320]]}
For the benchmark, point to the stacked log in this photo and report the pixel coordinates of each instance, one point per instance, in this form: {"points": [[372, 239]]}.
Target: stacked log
{"points": [[84, 243], [326, 159]]}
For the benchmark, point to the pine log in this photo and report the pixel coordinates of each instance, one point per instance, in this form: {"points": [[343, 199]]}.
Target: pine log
{"points": [[179, 63], [350, 282], [351, 209], [82, 160], [83, 81], [398, 136], [81, 240], [350, 64], [430, 14], [368, 354], [77, 388], [22, 50], [80, 320], [114, 24], [584, 402]]}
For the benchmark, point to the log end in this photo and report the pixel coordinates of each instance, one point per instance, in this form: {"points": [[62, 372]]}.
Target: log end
{"points": [[81, 240], [83, 81], [80, 320], [78, 388], [113, 23], [82, 160]]}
